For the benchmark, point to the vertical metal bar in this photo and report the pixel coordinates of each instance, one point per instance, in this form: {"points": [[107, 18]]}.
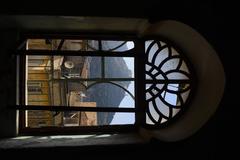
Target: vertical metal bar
{"points": [[80, 118], [51, 94], [103, 67], [22, 44], [102, 60], [60, 44], [139, 67], [60, 93], [51, 77], [22, 76], [67, 92], [100, 45], [66, 100]]}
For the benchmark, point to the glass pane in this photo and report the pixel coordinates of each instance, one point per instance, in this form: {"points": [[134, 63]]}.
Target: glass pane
{"points": [[148, 120], [95, 68], [177, 75], [171, 64], [73, 66], [117, 46], [122, 118], [37, 80], [38, 64], [36, 119], [43, 44], [107, 95], [67, 67], [80, 45], [74, 45], [92, 45], [128, 85], [82, 93], [58, 93], [170, 97], [119, 67]]}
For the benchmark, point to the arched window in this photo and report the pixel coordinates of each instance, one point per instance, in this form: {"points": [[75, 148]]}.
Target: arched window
{"points": [[101, 83], [161, 80]]}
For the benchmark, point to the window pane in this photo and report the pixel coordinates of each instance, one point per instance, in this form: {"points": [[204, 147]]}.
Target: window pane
{"points": [[95, 94], [36, 119], [57, 92], [119, 67], [45, 44], [76, 45], [117, 46], [95, 68], [67, 67], [80, 45], [82, 94], [92, 45], [128, 85]]}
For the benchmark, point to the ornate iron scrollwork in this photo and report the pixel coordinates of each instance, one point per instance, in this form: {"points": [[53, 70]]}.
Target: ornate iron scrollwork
{"points": [[168, 82]]}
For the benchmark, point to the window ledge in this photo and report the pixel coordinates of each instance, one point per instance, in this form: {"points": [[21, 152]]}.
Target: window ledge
{"points": [[28, 142]]}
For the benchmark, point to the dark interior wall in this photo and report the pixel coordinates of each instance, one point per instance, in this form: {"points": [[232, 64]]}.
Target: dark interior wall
{"points": [[7, 83], [212, 19]]}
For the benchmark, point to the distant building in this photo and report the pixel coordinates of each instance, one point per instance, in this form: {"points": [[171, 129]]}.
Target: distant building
{"points": [[47, 84]]}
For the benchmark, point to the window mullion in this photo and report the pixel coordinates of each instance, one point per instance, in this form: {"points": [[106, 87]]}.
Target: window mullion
{"points": [[51, 82], [140, 99], [103, 67]]}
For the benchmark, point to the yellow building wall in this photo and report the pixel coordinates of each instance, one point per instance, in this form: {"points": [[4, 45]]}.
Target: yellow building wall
{"points": [[39, 74], [43, 74]]}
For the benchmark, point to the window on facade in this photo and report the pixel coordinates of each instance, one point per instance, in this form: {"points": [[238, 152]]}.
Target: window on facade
{"points": [[79, 82]]}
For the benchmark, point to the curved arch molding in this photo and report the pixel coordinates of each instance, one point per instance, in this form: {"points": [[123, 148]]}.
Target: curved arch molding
{"points": [[209, 74]]}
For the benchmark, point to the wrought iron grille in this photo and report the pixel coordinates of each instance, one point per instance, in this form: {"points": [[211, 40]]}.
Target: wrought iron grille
{"points": [[163, 80], [168, 82]]}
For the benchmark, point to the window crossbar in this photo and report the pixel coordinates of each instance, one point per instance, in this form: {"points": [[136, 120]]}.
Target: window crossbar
{"points": [[40, 52], [74, 108]]}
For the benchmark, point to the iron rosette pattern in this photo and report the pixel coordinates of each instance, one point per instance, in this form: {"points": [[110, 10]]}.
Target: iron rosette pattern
{"points": [[168, 82]]}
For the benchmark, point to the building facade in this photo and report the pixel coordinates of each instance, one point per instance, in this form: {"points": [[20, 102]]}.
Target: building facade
{"points": [[47, 84]]}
